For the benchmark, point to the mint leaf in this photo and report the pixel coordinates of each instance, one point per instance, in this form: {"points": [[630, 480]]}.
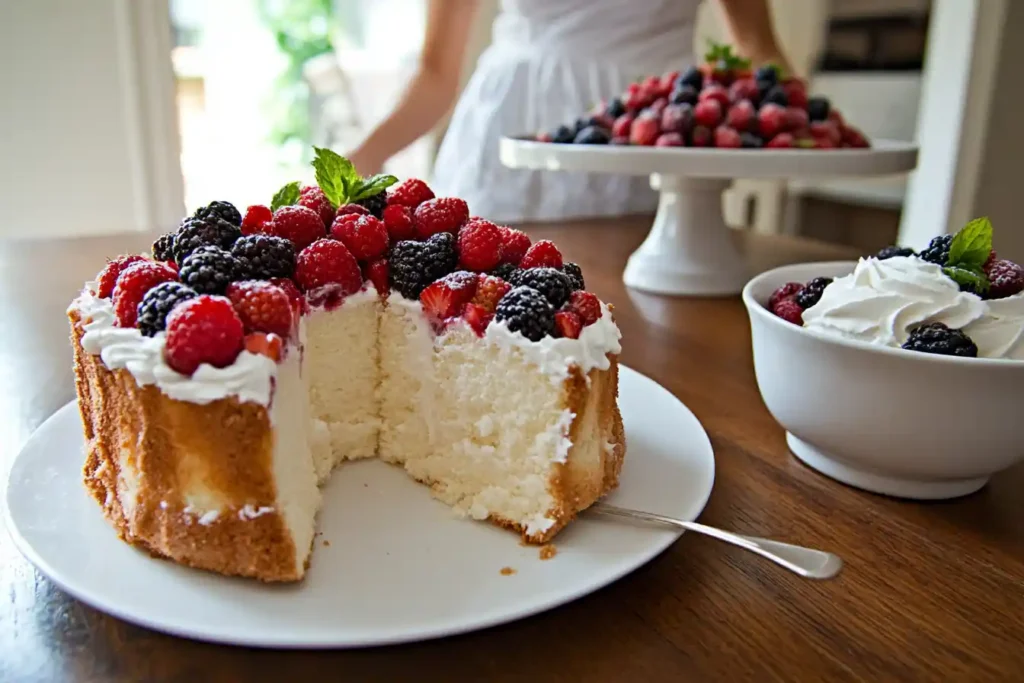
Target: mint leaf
{"points": [[286, 196], [373, 185], [970, 279], [972, 245], [335, 175]]}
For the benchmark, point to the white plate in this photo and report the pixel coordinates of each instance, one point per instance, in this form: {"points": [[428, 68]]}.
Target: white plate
{"points": [[884, 157], [400, 566]]}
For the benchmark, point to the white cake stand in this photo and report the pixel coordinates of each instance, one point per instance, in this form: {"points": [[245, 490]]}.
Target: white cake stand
{"points": [[689, 250]]}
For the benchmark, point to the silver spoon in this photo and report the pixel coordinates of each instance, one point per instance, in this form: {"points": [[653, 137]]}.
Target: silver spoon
{"points": [[807, 562]]}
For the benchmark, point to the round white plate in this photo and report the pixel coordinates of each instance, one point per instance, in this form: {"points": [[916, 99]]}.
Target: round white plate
{"points": [[399, 565], [884, 157]]}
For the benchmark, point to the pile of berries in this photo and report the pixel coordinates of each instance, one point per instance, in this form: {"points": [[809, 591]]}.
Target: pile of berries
{"points": [[721, 103], [223, 282]]}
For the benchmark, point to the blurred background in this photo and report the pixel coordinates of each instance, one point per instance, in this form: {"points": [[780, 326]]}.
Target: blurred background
{"points": [[127, 113]]}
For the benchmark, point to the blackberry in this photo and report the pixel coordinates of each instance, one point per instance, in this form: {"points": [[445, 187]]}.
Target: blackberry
{"points": [[937, 251], [414, 265], [818, 108], [751, 140], [526, 310], [563, 134], [937, 338], [158, 303], [201, 232], [811, 293], [575, 274], [691, 77], [775, 95], [506, 271], [685, 94], [615, 108], [223, 210], [261, 257], [163, 248], [592, 135], [767, 74], [375, 203], [555, 285], [890, 252], [209, 270]]}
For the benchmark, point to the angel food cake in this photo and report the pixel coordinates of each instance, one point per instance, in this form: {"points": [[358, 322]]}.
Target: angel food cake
{"points": [[223, 377]]}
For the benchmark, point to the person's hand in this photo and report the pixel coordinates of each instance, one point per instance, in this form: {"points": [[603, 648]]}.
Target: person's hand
{"points": [[366, 162]]}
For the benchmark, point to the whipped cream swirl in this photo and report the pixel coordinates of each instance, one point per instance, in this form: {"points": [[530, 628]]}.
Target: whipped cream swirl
{"points": [[882, 300]]}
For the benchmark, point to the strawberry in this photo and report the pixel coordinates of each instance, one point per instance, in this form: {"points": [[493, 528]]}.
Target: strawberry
{"points": [[262, 307], [826, 130], [131, 287], [264, 344], [327, 262], [300, 225], [835, 117], [620, 129], [780, 141], [771, 120], [514, 245], [313, 198], [701, 136], [410, 192], [107, 278], [635, 99], [205, 329], [378, 273], [645, 130], [586, 305], [667, 82], [741, 116], [727, 138], [542, 253], [489, 290], [852, 137], [479, 244], [714, 92], [708, 113], [444, 214], [477, 318], [651, 87], [670, 140], [445, 298], [256, 218], [398, 221], [364, 236], [568, 324]]}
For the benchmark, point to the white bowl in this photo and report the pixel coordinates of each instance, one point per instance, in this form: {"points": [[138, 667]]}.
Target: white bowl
{"points": [[901, 423]]}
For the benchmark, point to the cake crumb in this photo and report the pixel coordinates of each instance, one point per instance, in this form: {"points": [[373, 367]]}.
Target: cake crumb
{"points": [[507, 571], [547, 551], [326, 543]]}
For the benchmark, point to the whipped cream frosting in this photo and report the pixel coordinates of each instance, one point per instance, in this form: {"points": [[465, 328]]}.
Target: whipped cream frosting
{"points": [[882, 300]]}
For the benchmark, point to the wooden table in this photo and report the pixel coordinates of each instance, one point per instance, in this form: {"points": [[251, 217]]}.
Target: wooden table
{"points": [[930, 591]]}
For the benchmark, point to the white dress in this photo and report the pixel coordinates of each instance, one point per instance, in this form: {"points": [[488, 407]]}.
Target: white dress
{"points": [[550, 61]]}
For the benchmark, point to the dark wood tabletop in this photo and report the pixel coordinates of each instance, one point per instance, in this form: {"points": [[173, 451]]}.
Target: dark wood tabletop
{"points": [[930, 592]]}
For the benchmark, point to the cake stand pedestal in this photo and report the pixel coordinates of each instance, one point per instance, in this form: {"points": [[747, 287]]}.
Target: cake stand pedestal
{"points": [[689, 251]]}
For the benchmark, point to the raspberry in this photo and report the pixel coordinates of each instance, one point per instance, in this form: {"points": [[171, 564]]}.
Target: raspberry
{"points": [[780, 141], [374, 203], [410, 192], [209, 270], [256, 218], [398, 220], [297, 299], [708, 113], [937, 338], [527, 311], [727, 138], [313, 198], [132, 285], [575, 274], [446, 297], [297, 223], [542, 253], [670, 140], [568, 324], [645, 129], [551, 282], [489, 290], [262, 307], [210, 231], [1006, 278], [224, 210], [261, 343], [789, 310], [477, 317], [261, 257], [514, 245], [351, 208], [205, 329], [157, 304], [937, 251], [163, 247], [414, 265], [378, 273], [812, 291], [478, 244], [364, 236], [786, 291], [445, 214], [741, 116], [107, 278], [992, 258], [586, 305], [890, 252], [327, 262]]}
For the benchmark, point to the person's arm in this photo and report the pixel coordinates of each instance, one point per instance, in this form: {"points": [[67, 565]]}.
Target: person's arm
{"points": [[432, 90], [753, 34]]}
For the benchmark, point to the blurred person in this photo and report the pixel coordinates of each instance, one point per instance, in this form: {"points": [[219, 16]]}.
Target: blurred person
{"points": [[549, 62]]}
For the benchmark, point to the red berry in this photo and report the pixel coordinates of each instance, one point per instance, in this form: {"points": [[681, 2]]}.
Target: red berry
{"points": [[741, 116], [477, 317], [852, 137], [668, 81], [312, 197], [297, 299], [708, 113], [716, 93], [651, 87], [262, 307], [479, 245], [701, 136], [489, 290], [620, 129], [346, 209], [677, 118], [568, 324], [542, 253], [796, 92], [256, 218], [446, 297], [635, 99], [398, 221], [771, 120], [269, 345], [410, 192], [786, 291], [107, 278], [378, 272], [586, 305], [514, 245], [780, 141], [669, 140], [658, 106], [327, 262], [205, 329], [727, 138], [297, 223], [796, 119], [132, 285], [826, 130], [444, 214], [1006, 278], [645, 130], [823, 143], [789, 310], [619, 141], [743, 89], [835, 117], [364, 236]]}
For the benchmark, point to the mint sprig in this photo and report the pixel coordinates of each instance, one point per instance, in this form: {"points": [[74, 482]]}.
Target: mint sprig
{"points": [[286, 196], [340, 181], [722, 52], [969, 279], [972, 245], [375, 184]]}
